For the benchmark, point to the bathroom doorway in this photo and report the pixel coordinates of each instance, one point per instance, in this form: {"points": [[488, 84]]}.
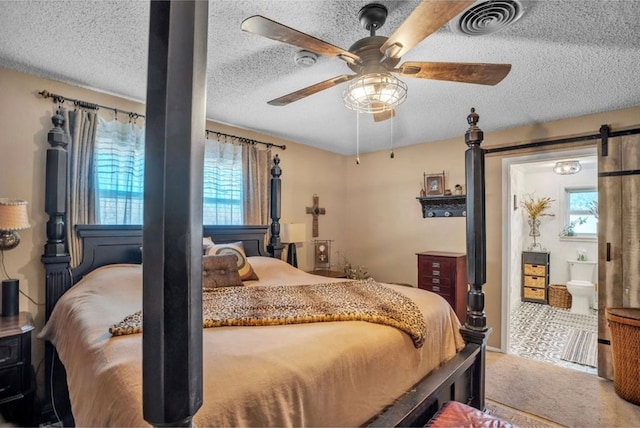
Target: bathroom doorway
{"points": [[532, 328]]}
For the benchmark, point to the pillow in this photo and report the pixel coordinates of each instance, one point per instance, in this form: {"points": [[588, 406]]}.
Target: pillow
{"points": [[220, 271], [206, 243], [236, 248]]}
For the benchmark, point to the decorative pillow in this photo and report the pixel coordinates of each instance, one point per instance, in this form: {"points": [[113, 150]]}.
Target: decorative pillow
{"points": [[236, 248], [206, 243], [220, 271]]}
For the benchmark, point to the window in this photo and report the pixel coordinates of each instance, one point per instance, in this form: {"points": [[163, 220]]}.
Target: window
{"points": [[580, 212], [119, 177]]}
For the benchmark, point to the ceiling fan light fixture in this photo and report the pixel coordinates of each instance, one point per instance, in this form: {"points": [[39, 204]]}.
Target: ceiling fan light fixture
{"points": [[375, 93], [567, 167]]}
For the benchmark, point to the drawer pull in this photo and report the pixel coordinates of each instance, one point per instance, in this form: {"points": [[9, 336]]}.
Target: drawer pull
{"points": [[436, 273], [436, 280], [435, 288], [2, 360], [435, 265]]}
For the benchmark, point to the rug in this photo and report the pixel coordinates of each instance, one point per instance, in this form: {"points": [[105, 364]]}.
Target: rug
{"points": [[581, 348]]}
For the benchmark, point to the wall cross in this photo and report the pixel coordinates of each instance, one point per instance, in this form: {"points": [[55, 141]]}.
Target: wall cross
{"points": [[315, 211]]}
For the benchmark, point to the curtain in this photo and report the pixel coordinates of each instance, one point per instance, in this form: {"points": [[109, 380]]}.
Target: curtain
{"points": [[119, 172], [256, 164], [222, 187], [80, 125]]}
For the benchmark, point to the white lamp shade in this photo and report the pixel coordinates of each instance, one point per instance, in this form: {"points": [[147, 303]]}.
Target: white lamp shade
{"points": [[13, 215], [293, 232]]}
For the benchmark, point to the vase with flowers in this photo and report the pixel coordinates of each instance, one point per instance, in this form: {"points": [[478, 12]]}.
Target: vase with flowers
{"points": [[535, 209]]}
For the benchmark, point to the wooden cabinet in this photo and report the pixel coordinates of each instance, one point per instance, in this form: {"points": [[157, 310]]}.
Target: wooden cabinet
{"points": [[17, 383], [535, 276], [445, 273]]}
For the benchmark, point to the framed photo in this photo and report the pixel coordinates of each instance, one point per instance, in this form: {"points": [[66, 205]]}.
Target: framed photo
{"points": [[434, 184]]}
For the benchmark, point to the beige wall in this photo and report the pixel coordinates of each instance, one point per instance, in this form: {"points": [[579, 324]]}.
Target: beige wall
{"points": [[372, 215]]}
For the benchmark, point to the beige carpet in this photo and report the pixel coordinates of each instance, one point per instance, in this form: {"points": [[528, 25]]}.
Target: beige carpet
{"points": [[517, 417], [564, 396]]}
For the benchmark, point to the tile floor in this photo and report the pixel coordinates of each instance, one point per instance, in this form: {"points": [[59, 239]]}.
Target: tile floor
{"points": [[540, 332]]}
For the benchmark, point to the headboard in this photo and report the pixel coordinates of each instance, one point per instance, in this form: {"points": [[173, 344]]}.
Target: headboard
{"points": [[110, 244]]}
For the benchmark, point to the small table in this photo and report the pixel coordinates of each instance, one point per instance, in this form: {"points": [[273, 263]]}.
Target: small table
{"points": [[17, 382], [328, 273]]}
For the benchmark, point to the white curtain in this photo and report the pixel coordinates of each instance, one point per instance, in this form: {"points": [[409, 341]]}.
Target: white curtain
{"points": [[257, 164], [80, 124]]}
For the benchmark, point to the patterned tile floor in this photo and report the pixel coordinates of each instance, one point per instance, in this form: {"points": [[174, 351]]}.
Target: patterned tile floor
{"points": [[540, 332]]}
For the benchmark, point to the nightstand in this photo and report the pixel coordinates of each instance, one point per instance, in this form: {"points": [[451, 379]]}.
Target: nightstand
{"points": [[328, 273], [17, 382]]}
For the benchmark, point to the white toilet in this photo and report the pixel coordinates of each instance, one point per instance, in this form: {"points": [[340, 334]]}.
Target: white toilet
{"points": [[581, 286]]}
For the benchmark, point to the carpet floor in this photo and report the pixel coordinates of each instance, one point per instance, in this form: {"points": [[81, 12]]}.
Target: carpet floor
{"points": [[563, 396]]}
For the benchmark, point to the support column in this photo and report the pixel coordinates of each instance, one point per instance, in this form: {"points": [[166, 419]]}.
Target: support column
{"points": [[172, 232]]}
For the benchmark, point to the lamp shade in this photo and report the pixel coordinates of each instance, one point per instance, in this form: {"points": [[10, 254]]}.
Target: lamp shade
{"points": [[375, 93], [293, 232], [13, 215]]}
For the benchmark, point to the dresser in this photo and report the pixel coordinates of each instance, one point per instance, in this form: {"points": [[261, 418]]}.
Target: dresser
{"points": [[17, 383], [445, 274], [535, 276]]}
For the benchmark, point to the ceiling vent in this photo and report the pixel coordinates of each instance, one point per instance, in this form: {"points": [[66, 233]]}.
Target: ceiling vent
{"points": [[488, 17]]}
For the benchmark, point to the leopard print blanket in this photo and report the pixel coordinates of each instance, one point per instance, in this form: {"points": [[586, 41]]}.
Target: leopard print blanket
{"points": [[364, 300]]}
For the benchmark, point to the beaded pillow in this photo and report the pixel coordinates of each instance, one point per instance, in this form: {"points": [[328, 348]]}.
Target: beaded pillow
{"points": [[220, 271]]}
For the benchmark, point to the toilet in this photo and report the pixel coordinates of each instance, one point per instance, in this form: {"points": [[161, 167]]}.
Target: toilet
{"points": [[581, 286]]}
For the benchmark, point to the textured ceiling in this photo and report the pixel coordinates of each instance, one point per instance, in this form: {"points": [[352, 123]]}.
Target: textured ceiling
{"points": [[569, 57]]}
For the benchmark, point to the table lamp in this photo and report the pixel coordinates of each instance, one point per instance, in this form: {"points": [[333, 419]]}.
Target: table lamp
{"points": [[13, 217], [292, 233]]}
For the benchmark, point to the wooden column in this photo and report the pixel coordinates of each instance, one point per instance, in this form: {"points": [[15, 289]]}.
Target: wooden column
{"points": [[172, 232], [475, 329], [275, 246]]}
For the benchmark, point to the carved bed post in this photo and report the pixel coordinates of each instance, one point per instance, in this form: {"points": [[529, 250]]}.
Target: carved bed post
{"points": [[475, 329], [275, 246], [56, 258]]}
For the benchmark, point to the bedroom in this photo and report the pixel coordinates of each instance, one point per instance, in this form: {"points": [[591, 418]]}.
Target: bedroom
{"points": [[359, 199]]}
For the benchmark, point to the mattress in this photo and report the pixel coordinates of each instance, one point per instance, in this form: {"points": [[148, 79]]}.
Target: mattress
{"points": [[339, 373]]}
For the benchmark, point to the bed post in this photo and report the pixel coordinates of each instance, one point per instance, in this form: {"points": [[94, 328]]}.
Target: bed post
{"points": [[475, 329], [275, 246], [56, 258]]}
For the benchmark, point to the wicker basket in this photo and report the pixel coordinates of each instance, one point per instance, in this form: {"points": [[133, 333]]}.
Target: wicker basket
{"points": [[559, 296], [625, 342]]}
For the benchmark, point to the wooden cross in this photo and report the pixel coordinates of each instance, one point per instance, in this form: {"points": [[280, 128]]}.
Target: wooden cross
{"points": [[315, 211]]}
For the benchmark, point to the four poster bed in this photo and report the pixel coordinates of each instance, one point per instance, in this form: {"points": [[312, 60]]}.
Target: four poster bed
{"points": [[345, 373]]}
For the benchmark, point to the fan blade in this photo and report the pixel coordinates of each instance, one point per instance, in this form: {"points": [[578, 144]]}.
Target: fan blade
{"points": [[265, 27], [310, 90], [425, 19], [385, 115], [482, 74]]}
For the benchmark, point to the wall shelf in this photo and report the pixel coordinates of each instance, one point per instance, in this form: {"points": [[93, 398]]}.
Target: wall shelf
{"points": [[443, 206]]}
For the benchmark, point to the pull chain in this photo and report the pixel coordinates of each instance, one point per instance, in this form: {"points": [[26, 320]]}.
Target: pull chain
{"points": [[391, 155], [358, 138]]}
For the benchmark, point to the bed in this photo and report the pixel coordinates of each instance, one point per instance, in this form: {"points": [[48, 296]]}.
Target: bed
{"points": [[342, 373]]}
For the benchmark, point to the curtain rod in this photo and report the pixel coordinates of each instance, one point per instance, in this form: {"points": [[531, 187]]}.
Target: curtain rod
{"points": [[132, 115], [85, 104], [244, 140]]}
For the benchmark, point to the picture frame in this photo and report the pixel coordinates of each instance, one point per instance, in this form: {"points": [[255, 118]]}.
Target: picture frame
{"points": [[434, 184]]}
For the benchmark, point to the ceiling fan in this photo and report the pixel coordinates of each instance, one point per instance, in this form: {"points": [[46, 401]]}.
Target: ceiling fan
{"points": [[373, 89]]}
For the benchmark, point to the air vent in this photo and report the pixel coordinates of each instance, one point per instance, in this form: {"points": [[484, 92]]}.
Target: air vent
{"points": [[488, 17]]}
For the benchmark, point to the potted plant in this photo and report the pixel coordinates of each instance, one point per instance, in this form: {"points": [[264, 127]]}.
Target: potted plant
{"points": [[569, 228], [536, 208]]}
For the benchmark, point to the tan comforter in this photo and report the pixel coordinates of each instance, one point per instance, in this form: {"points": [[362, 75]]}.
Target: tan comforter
{"points": [[318, 374]]}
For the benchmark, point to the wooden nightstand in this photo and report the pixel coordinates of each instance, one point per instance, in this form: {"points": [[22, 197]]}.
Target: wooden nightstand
{"points": [[17, 382], [329, 273]]}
